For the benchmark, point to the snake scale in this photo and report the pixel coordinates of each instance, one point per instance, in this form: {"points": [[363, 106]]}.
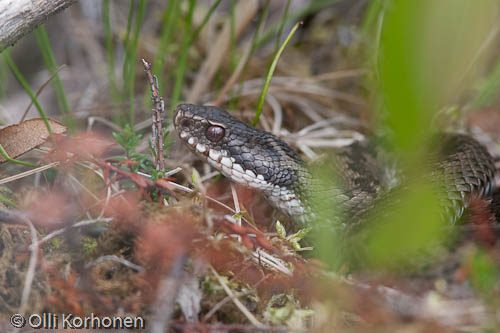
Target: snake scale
{"points": [[258, 159]]}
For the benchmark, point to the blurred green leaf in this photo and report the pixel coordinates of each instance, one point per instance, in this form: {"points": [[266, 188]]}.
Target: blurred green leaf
{"points": [[426, 48], [404, 226]]}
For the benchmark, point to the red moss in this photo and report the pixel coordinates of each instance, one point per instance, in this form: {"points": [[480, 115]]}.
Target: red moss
{"points": [[125, 209], [71, 149]]}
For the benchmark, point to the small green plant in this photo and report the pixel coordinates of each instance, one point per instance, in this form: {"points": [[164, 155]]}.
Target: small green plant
{"points": [[295, 238], [89, 245], [129, 139]]}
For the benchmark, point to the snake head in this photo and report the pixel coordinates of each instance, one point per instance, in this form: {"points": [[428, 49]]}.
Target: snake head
{"points": [[246, 155]]}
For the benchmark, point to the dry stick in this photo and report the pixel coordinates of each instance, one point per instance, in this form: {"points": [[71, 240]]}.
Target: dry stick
{"points": [[236, 204], [28, 173], [234, 77], [237, 302], [19, 17], [159, 108], [117, 259], [243, 14], [62, 230], [342, 74]]}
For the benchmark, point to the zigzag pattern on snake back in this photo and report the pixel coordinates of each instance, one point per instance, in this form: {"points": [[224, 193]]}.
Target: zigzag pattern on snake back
{"points": [[258, 159]]}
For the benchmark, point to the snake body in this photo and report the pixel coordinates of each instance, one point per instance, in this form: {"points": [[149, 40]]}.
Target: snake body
{"points": [[258, 159]]}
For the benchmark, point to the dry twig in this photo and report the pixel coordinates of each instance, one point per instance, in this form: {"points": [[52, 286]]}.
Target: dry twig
{"points": [[19, 17], [156, 127], [243, 14]]}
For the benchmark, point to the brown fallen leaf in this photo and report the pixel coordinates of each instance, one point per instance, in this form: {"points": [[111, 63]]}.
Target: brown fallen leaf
{"points": [[21, 138]]}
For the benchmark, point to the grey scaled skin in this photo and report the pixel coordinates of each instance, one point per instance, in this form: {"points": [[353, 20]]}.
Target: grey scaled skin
{"points": [[258, 159]]}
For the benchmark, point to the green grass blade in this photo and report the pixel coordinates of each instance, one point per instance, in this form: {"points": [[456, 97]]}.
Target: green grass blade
{"points": [[196, 33], [132, 44], [284, 18], [110, 51], [182, 60], [43, 42], [19, 77], [313, 7], [192, 37], [489, 89], [169, 18], [13, 160], [270, 73], [253, 47], [232, 42], [4, 78], [7, 201], [126, 46]]}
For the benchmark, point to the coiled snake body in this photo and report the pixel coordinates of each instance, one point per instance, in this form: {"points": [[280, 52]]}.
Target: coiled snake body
{"points": [[260, 160]]}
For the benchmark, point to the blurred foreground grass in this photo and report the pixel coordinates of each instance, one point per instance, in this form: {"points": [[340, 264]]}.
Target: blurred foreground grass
{"points": [[424, 53]]}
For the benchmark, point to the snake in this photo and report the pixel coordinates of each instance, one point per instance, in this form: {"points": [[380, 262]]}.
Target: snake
{"points": [[258, 159]]}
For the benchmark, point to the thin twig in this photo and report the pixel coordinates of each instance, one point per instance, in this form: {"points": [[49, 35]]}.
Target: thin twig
{"points": [[236, 204], [30, 273], [342, 74], [28, 173], [62, 230], [262, 257], [114, 258], [188, 190], [159, 108], [39, 91], [278, 113]]}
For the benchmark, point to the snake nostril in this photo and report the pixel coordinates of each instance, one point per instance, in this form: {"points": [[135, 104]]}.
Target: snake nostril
{"points": [[215, 133]]}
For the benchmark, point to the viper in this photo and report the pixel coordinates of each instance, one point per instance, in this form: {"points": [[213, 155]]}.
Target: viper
{"points": [[258, 159]]}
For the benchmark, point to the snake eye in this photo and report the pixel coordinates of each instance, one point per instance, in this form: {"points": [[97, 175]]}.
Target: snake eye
{"points": [[186, 123], [214, 133]]}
